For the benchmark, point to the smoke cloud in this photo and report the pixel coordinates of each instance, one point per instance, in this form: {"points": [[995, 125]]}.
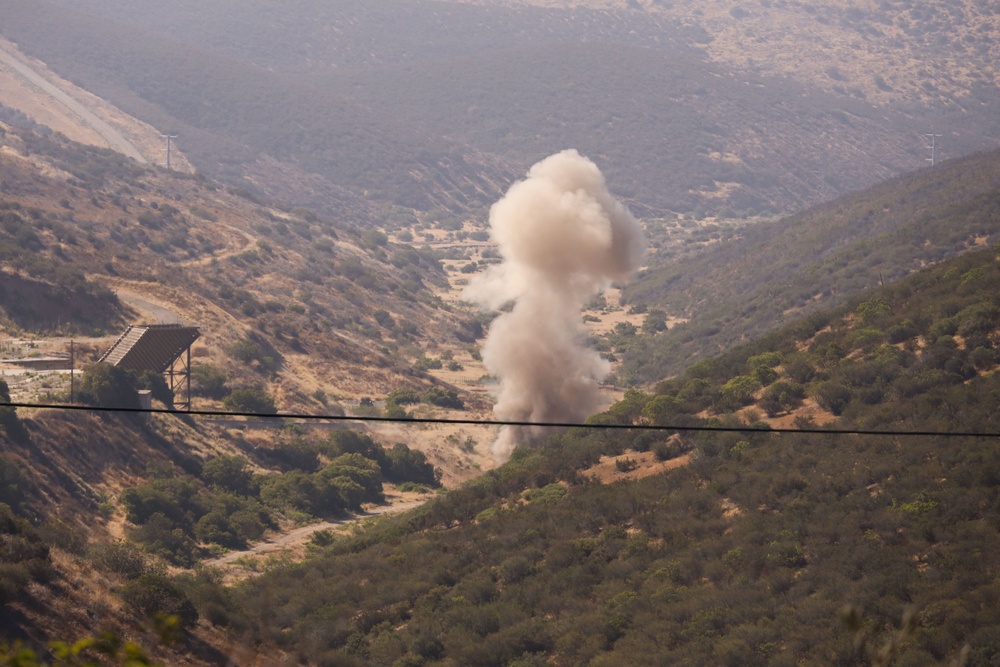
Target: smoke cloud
{"points": [[563, 238]]}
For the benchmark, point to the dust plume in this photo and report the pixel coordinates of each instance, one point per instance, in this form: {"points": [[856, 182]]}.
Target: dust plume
{"points": [[563, 238]]}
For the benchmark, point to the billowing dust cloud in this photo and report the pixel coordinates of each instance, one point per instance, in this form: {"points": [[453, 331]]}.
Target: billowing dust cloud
{"points": [[563, 238]]}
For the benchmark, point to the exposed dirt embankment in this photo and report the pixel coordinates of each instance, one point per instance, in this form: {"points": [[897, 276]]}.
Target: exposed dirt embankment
{"points": [[28, 86]]}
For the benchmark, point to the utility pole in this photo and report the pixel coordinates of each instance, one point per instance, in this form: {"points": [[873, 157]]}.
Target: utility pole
{"points": [[168, 137], [72, 371], [932, 159]]}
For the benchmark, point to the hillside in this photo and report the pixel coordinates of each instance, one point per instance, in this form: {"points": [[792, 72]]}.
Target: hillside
{"points": [[297, 312], [317, 314], [613, 546], [752, 553], [433, 106], [889, 51], [775, 272]]}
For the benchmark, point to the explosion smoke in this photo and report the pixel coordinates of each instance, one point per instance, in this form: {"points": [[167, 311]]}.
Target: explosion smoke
{"points": [[563, 238]]}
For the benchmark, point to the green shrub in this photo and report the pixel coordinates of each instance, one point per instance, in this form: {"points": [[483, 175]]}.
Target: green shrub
{"points": [[402, 397], [208, 381], [12, 426], [445, 398], [154, 594], [252, 401], [122, 559], [736, 393], [107, 386], [229, 473], [832, 396]]}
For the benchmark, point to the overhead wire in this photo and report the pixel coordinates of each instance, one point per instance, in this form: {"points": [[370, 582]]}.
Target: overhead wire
{"points": [[500, 422]]}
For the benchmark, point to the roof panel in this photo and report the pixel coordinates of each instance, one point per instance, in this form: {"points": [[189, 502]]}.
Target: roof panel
{"points": [[151, 347]]}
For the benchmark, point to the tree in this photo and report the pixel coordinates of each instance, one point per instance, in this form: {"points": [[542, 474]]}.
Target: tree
{"points": [[655, 321], [445, 398], [781, 397], [737, 392], [662, 409], [107, 386]]}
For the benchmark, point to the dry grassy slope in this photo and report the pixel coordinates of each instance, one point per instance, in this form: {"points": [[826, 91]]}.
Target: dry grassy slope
{"points": [[233, 267], [236, 267], [19, 92], [887, 50], [307, 288], [77, 464]]}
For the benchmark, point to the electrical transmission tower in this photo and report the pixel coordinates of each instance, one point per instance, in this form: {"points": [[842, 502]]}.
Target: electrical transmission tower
{"points": [[168, 137], [933, 147]]}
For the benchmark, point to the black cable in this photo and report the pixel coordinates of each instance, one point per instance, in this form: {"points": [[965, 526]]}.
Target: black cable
{"points": [[498, 422]]}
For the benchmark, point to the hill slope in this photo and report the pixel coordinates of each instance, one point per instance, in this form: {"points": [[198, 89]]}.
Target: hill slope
{"points": [[786, 269], [434, 106], [748, 555]]}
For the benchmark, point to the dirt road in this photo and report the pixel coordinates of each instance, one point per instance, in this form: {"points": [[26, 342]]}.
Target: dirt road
{"points": [[160, 313], [115, 140], [300, 536]]}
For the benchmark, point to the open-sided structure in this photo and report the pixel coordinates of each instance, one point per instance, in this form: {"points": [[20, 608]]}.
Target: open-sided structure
{"points": [[161, 348]]}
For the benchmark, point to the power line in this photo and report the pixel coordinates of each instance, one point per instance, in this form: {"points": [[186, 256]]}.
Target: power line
{"points": [[498, 422]]}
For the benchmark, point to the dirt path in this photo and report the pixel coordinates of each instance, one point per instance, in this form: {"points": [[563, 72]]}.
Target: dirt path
{"points": [[297, 538], [160, 313], [235, 247]]}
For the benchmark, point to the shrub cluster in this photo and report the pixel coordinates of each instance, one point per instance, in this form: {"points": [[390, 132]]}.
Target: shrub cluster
{"points": [[177, 517]]}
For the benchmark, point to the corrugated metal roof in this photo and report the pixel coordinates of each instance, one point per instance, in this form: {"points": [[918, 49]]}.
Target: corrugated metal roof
{"points": [[151, 347]]}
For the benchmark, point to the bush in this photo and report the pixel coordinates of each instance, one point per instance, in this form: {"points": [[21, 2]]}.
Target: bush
{"points": [[12, 483], [445, 398], [255, 352], [402, 397], [165, 538], [119, 558], [10, 422], [385, 319], [662, 409], [736, 393], [215, 528], [832, 396], [107, 386], [229, 473], [427, 364], [23, 558], [155, 594], [208, 381], [781, 397], [252, 401]]}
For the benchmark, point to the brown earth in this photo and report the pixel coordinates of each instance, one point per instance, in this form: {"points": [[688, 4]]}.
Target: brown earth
{"points": [[639, 464], [28, 96]]}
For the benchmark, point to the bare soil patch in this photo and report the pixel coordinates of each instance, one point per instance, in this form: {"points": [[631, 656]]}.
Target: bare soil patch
{"points": [[637, 464], [30, 98]]}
